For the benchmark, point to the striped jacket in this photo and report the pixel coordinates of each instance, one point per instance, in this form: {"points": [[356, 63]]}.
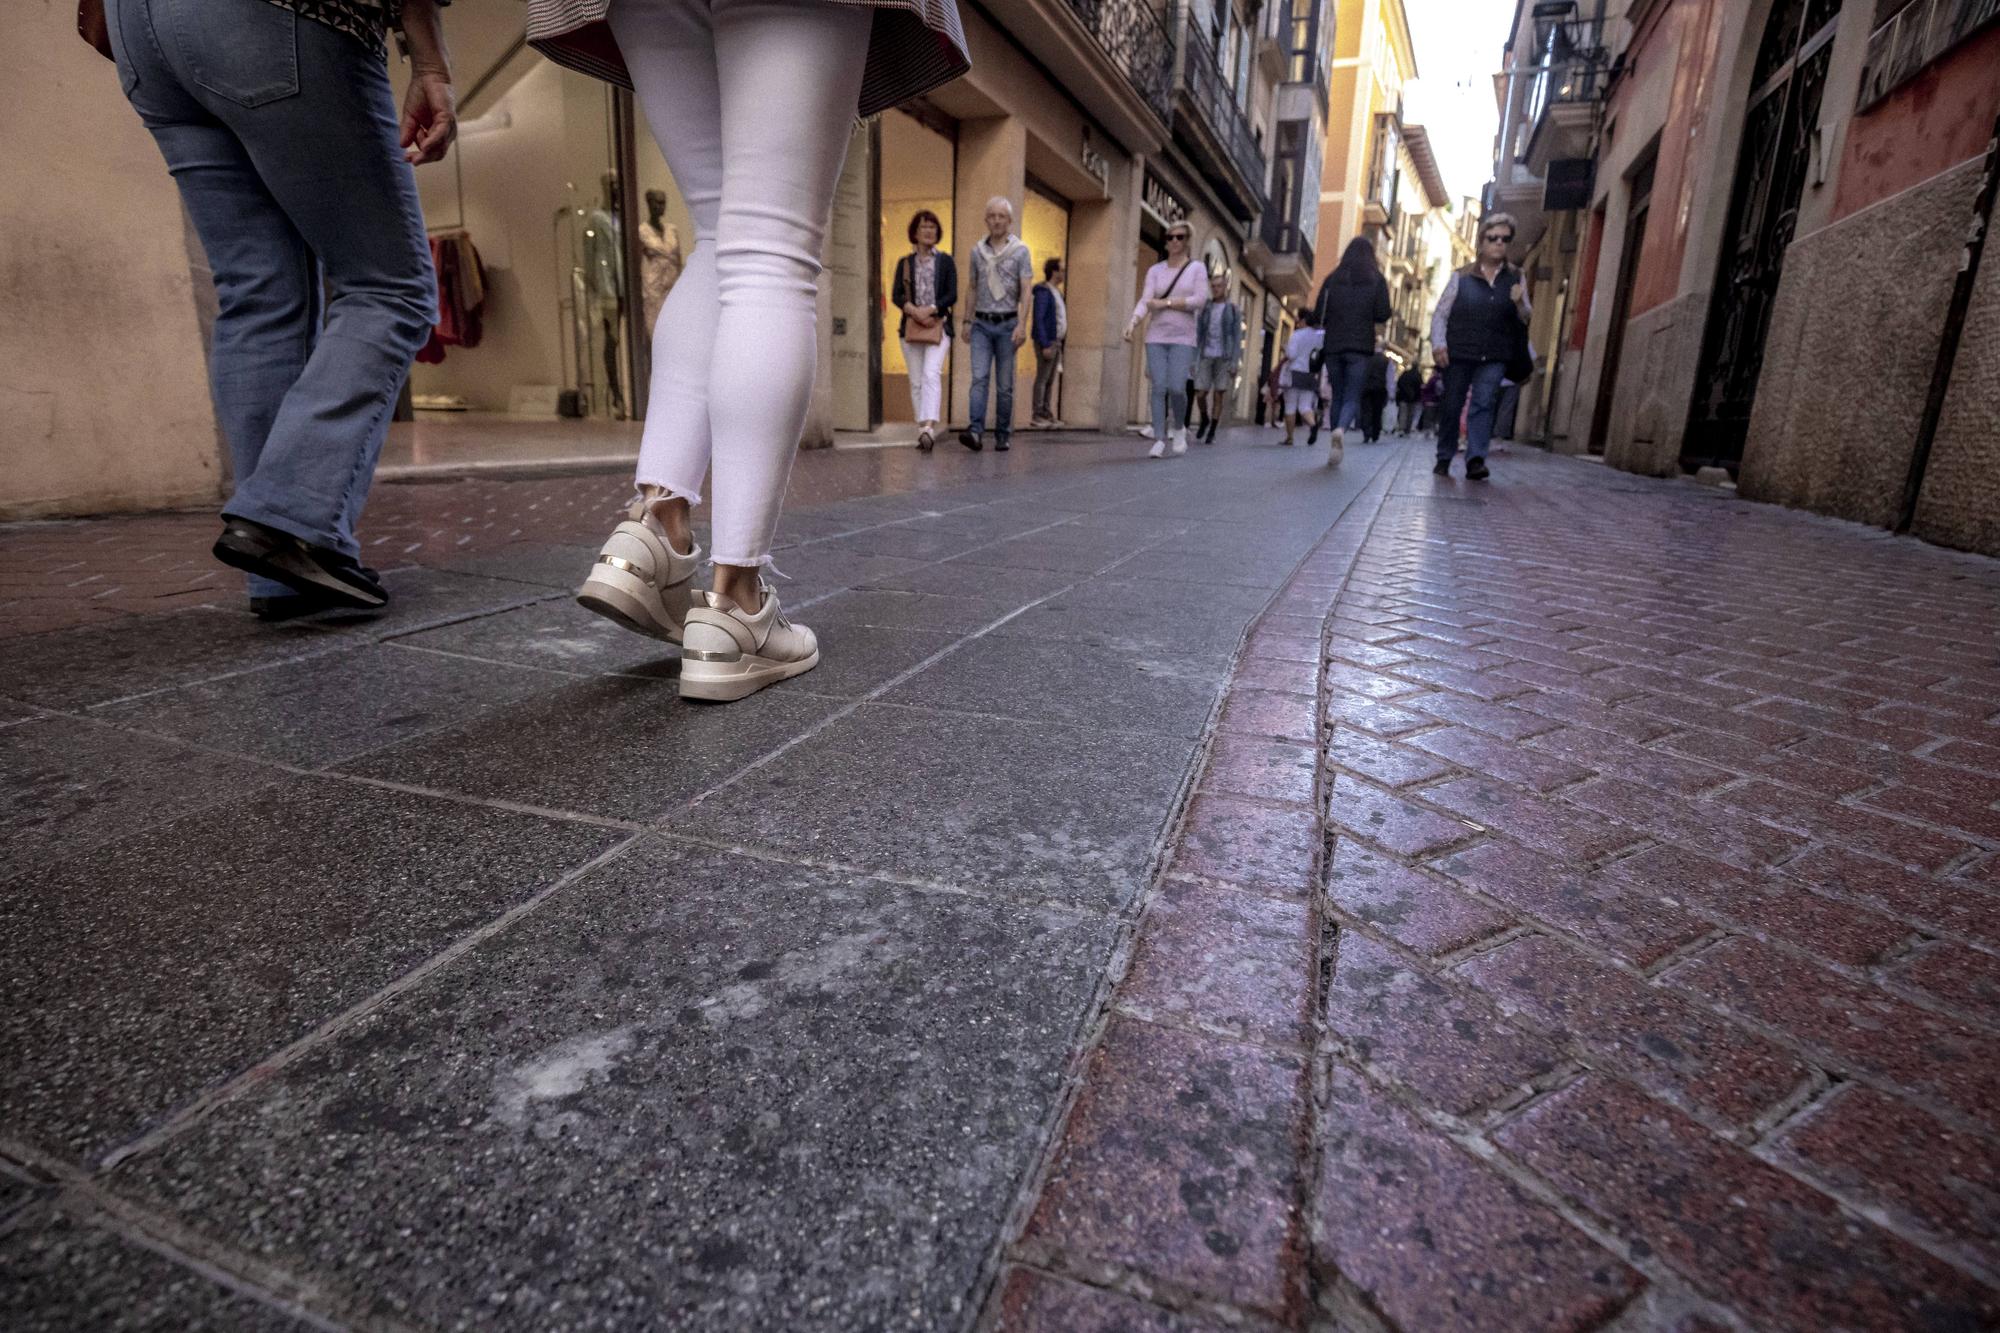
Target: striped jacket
{"points": [[916, 45]]}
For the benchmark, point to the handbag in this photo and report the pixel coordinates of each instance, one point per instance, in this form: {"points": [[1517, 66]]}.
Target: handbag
{"points": [[1520, 366], [90, 26], [920, 333]]}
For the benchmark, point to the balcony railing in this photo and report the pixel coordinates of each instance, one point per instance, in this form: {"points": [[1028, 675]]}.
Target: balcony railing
{"points": [[1206, 88], [1139, 44], [1575, 68], [1283, 233]]}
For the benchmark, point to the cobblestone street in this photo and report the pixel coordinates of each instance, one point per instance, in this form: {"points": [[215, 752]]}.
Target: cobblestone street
{"points": [[1215, 893]]}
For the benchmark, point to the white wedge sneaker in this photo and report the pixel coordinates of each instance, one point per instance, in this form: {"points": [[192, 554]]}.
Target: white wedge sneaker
{"points": [[640, 581], [726, 653]]}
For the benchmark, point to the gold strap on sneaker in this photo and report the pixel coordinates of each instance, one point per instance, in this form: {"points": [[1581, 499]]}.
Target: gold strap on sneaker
{"points": [[617, 563]]}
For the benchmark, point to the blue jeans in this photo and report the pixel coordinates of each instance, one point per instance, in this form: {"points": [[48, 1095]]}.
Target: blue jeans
{"points": [[993, 354], [1349, 373], [1481, 381], [1168, 366], [281, 133]]}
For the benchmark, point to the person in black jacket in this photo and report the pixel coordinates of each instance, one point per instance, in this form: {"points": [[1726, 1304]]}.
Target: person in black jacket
{"points": [[1353, 304], [1409, 388], [925, 289], [1375, 392], [1473, 331]]}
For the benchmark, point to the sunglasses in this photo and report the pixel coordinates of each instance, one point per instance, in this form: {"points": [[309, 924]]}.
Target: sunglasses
{"points": [[1508, 237]]}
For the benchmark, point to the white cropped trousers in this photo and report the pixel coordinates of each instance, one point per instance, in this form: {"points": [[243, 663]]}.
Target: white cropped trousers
{"points": [[926, 362], [751, 102]]}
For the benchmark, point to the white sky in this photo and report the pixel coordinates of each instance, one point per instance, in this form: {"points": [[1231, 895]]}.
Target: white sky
{"points": [[1458, 51]]}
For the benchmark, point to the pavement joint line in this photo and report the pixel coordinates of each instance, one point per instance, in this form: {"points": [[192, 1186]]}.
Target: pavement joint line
{"points": [[1122, 1280], [1098, 1015], [483, 802], [946, 710], [776, 856], [270, 1066], [883, 688], [1477, 1145], [1298, 1050], [255, 1280]]}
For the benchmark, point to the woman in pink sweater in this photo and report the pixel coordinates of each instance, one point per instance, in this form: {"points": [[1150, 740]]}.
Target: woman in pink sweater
{"points": [[1174, 290]]}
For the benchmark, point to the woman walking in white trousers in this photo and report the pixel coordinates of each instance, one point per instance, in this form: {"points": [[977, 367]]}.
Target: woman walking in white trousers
{"points": [[752, 103], [924, 291]]}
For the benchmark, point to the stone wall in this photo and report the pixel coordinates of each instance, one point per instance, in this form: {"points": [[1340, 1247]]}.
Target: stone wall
{"points": [[1960, 502], [103, 381], [1656, 373], [1849, 356]]}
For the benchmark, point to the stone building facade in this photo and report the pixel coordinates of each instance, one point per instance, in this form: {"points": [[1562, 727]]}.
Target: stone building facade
{"points": [[1756, 271]]}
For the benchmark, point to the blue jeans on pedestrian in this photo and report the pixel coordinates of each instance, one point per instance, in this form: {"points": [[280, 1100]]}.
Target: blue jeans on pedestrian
{"points": [[993, 355], [1168, 366], [1481, 381], [1349, 373], [282, 135]]}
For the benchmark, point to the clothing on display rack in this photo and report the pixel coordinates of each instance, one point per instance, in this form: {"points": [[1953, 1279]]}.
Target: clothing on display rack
{"points": [[461, 286]]}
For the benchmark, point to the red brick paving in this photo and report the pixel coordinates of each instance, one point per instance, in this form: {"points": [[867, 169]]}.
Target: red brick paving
{"points": [[1655, 946]]}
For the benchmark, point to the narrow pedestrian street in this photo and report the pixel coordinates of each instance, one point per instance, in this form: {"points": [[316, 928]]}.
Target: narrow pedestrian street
{"points": [[1219, 892]]}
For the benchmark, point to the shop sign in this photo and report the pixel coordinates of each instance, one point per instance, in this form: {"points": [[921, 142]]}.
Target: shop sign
{"points": [[1159, 200], [1093, 162]]}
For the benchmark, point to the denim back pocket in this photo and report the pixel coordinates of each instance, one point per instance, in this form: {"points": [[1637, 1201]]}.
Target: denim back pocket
{"points": [[244, 50]]}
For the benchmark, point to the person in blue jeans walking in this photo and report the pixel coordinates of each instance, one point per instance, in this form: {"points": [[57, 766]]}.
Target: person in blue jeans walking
{"points": [[1353, 305], [1484, 306], [1003, 285], [277, 121]]}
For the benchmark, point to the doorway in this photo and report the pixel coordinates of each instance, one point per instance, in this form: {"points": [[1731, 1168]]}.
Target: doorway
{"points": [[919, 162], [1045, 227], [1787, 84], [1621, 304]]}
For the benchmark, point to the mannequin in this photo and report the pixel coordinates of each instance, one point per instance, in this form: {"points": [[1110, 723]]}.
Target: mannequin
{"points": [[660, 262], [604, 280]]}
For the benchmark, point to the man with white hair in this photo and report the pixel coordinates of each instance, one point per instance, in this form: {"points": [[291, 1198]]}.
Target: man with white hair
{"points": [[1003, 284]]}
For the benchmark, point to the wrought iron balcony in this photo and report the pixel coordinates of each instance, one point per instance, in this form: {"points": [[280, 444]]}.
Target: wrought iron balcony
{"points": [[1205, 92], [1139, 44], [1563, 88], [1285, 234]]}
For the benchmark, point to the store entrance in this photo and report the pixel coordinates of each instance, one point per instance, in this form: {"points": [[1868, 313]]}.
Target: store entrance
{"points": [[1045, 228], [551, 265], [918, 156]]}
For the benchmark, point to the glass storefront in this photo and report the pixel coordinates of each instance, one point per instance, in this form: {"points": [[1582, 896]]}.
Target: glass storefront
{"points": [[919, 162]]}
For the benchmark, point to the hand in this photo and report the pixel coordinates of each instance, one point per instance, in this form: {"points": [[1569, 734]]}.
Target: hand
{"points": [[430, 117], [1156, 303], [1440, 357], [1020, 336]]}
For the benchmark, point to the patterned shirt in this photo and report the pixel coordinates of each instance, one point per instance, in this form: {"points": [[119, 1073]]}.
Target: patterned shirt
{"points": [[363, 20], [923, 274]]}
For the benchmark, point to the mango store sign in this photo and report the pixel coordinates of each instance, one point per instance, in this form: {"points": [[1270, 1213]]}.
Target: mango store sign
{"points": [[1166, 207]]}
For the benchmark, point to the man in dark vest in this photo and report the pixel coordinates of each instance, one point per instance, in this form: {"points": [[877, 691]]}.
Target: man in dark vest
{"points": [[1472, 334]]}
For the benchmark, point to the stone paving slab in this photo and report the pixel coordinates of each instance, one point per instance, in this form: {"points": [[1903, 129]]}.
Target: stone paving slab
{"points": [[144, 972], [338, 1036], [749, 1094], [58, 1275]]}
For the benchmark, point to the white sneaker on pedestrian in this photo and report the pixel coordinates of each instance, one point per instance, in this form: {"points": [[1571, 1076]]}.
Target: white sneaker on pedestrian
{"points": [[727, 653], [639, 580], [1159, 449], [1336, 447], [1180, 442]]}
